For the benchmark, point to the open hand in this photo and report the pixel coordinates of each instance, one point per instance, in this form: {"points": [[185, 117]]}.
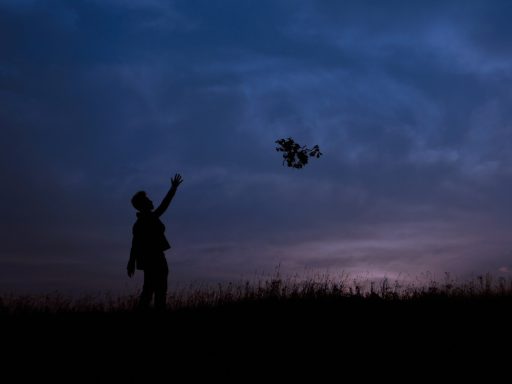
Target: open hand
{"points": [[176, 180]]}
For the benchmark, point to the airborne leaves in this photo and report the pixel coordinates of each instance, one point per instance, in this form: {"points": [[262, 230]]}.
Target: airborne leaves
{"points": [[295, 155]]}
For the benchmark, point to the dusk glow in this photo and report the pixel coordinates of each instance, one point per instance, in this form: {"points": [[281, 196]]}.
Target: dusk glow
{"points": [[410, 103]]}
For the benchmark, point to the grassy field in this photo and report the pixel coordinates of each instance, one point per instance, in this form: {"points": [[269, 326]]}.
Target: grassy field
{"points": [[307, 322], [308, 299]]}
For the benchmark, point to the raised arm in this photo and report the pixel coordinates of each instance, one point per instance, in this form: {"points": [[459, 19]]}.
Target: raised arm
{"points": [[175, 183]]}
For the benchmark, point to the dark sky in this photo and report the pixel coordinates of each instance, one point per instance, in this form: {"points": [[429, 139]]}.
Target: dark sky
{"points": [[410, 102]]}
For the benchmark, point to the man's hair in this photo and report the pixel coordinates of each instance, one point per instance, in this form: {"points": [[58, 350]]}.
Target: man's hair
{"points": [[138, 200]]}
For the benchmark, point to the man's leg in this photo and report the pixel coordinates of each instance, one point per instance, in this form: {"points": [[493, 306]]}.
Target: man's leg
{"points": [[148, 289], [161, 285]]}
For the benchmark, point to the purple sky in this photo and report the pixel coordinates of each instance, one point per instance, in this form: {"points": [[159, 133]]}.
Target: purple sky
{"points": [[410, 102]]}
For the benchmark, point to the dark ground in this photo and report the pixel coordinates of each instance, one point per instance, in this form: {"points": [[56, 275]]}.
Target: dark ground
{"points": [[429, 334]]}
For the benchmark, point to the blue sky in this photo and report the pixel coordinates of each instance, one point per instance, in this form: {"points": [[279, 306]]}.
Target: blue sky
{"points": [[410, 103]]}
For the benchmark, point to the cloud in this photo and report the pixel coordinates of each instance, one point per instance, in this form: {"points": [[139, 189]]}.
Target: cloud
{"points": [[408, 103]]}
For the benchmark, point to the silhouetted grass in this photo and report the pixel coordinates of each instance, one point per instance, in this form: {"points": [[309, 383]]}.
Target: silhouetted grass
{"points": [[275, 293], [274, 320]]}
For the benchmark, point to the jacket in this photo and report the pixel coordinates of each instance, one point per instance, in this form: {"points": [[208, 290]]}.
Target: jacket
{"points": [[149, 241]]}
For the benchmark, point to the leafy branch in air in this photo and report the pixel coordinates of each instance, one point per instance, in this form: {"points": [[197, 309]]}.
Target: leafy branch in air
{"points": [[295, 155]]}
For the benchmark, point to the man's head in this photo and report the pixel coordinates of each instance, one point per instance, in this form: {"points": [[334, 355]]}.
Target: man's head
{"points": [[141, 202]]}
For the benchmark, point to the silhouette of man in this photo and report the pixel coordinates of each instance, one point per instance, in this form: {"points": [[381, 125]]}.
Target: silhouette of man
{"points": [[148, 246]]}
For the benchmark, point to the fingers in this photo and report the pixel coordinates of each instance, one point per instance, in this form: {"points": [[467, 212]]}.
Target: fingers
{"points": [[177, 179]]}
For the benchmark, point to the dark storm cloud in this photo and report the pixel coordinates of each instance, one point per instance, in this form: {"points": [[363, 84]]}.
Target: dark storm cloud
{"points": [[409, 103]]}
